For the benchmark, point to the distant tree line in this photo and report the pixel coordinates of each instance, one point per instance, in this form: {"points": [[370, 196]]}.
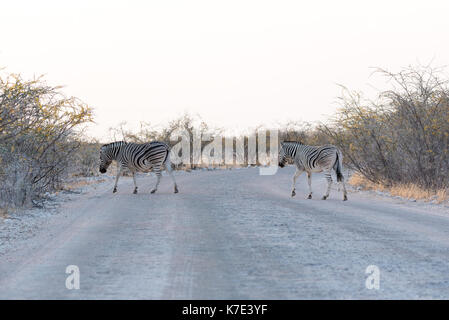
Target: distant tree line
{"points": [[401, 137]]}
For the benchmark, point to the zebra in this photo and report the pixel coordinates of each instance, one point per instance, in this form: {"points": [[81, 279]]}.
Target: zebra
{"points": [[313, 159], [137, 157]]}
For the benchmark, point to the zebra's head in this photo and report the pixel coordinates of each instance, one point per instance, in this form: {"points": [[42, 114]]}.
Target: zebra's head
{"points": [[282, 156], [105, 159], [286, 152], [109, 152]]}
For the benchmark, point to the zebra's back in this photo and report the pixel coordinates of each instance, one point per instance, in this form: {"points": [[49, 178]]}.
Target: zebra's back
{"points": [[318, 158], [312, 158], [145, 156]]}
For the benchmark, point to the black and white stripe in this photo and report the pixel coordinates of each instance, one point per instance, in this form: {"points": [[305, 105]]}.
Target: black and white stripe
{"points": [[137, 157], [313, 159]]}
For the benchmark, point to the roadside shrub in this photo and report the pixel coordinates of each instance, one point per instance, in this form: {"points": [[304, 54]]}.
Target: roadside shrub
{"points": [[38, 138], [86, 158], [402, 137]]}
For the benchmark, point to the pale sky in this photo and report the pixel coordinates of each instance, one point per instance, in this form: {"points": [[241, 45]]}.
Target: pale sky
{"points": [[236, 63]]}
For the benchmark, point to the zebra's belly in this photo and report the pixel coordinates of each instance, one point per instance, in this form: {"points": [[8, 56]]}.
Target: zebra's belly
{"points": [[146, 168], [315, 170]]}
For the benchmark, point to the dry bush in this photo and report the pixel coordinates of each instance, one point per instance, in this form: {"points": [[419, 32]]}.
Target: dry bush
{"points": [[85, 161], [402, 138], [38, 141], [303, 132], [295, 131]]}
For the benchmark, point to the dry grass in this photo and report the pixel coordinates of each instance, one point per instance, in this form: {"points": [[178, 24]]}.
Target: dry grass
{"points": [[73, 185], [409, 191], [3, 213]]}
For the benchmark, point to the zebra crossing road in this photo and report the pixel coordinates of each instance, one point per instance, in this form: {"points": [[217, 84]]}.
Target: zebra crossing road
{"points": [[232, 234]]}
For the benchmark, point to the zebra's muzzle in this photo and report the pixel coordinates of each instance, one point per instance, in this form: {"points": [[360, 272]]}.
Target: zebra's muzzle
{"points": [[102, 170], [281, 165]]}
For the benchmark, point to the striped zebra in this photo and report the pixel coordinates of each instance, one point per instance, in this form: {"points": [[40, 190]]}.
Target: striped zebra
{"points": [[137, 157], [313, 159]]}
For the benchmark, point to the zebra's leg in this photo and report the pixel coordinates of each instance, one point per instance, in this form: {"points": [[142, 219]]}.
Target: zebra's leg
{"points": [[135, 183], [329, 184], [170, 172], [309, 181], [119, 171], [158, 175], [345, 194], [297, 174]]}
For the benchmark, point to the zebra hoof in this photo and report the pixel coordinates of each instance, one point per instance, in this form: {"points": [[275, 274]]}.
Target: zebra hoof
{"points": [[345, 198], [309, 196], [293, 193], [153, 191], [176, 190], [324, 198], [135, 191], [115, 190]]}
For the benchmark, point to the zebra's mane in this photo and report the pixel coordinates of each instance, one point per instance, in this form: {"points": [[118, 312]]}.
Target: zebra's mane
{"points": [[290, 142], [113, 144]]}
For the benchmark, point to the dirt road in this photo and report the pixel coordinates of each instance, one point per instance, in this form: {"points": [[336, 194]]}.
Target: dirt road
{"points": [[232, 234]]}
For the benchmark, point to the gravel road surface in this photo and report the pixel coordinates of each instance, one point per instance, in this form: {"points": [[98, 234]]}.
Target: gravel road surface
{"points": [[232, 234]]}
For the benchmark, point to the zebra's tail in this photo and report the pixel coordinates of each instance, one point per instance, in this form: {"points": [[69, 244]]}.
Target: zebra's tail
{"points": [[339, 166]]}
